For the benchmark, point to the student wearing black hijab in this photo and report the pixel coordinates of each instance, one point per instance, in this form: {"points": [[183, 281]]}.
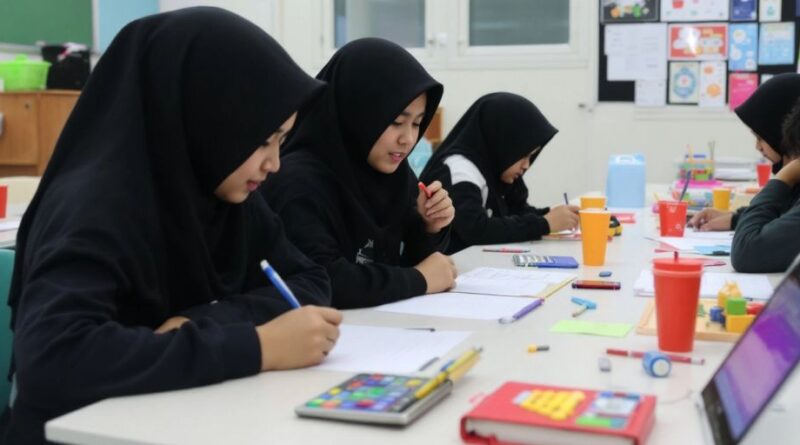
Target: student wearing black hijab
{"points": [[482, 162], [137, 266], [345, 192], [764, 112]]}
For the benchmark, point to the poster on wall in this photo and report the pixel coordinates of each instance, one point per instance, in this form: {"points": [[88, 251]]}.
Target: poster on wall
{"points": [[769, 11], [776, 44], [694, 10], [712, 84], [743, 10], [621, 11], [650, 93], [636, 51], [740, 87], [743, 52], [684, 82], [701, 41]]}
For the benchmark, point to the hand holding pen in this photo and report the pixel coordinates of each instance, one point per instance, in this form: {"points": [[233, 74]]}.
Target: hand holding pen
{"points": [[300, 337], [435, 206], [563, 217]]}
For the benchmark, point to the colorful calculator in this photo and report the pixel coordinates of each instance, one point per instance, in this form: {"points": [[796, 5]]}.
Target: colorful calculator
{"points": [[374, 398]]}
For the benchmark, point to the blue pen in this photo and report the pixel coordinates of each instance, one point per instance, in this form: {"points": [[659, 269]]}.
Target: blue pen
{"points": [[522, 312], [584, 303], [566, 200], [278, 282]]}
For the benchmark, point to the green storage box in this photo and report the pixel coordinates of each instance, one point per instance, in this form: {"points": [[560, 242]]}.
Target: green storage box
{"points": [[22, 74]]}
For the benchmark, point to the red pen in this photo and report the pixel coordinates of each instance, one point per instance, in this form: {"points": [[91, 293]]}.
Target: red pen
{"points": [[506, 250], [424, 189], [638, 354]]}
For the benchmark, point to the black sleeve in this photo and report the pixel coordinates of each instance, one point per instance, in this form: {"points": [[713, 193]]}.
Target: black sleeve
{"points": [[766, 238], [474, 226], [70, 350], [419, 244], [353, 285], [736, 215], [307, 280], [517, 201]]}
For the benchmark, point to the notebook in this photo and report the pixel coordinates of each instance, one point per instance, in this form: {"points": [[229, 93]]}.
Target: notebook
{"points": [[730, 403], [545, 261], [526, 413]]}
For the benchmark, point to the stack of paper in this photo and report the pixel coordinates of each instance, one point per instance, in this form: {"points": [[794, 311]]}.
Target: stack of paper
{"points": [[457, 305], [511, 282], [752, 286], [705, 243]]}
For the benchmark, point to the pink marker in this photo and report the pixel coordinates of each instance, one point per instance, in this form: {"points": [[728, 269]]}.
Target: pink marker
{"points": [[424, 189]]}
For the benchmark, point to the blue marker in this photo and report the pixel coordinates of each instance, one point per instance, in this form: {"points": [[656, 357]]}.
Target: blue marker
{"points": [[656, 364], [584, 303], [278, 282]]}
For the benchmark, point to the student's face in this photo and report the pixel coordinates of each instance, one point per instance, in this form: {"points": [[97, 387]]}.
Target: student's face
{"points": [[766, 150], [265, 160], [398, 139], [518, 168]]}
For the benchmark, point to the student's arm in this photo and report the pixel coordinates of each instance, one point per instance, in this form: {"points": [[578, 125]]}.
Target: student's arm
{"points": [[418, 244], [307, 280], [766, 234], [474, 226], [71, 350], [354, 285], [517, 201]]}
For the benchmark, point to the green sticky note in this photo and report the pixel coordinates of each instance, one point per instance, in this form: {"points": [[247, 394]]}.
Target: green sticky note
{"points": [[592, 328]]}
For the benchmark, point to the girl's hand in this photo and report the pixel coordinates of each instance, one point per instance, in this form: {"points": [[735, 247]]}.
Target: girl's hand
{"points": [[437, 211]]}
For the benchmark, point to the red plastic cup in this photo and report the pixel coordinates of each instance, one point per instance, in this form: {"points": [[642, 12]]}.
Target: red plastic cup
{"points": [[3, 200], [764, 170], [672, 215], [677, 286]]}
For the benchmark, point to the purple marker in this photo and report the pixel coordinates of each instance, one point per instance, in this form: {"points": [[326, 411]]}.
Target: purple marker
{"points": [[522, 312]]}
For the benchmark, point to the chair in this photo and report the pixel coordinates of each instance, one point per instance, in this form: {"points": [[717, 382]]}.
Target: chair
{"points": [[6, 267]]}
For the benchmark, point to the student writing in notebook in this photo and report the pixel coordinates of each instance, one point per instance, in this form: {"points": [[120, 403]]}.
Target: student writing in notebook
{"points": [[137, 266], [764, 113], [766, 235], [482, 162], [345, 192]]}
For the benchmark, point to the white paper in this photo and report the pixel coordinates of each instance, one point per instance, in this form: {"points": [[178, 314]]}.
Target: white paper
{"points": [[650, 93], [694, 10], [712, 84], [769, 11], [11, 224], [388, 350], [636, 51], [692, 240], [508, 282], [456, 305], [752, 286]]}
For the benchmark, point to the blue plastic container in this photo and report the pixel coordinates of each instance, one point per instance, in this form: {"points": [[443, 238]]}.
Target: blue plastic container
{"points": [[625, 184]]}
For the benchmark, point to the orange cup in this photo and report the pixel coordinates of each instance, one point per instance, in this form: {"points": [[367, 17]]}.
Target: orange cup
{"points": [[3, 200], [721, 198], [594, 235], [677, 286], [672, 216], [593, 202], [764, 170]]}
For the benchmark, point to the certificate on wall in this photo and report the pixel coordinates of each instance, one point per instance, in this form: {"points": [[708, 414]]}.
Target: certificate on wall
{"points": [[740, 87], [743, 10], [684, 82], [650, 93], [712, 84], [776, 44], [694, 10], [621, 11], [769, 11], [701, 41], [743, 52]]}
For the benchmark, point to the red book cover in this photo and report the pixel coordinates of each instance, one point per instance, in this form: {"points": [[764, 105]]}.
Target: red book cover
{"points": [[517, 413]]}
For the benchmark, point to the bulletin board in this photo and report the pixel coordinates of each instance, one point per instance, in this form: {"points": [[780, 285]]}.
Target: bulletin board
{"points": [[24, 22], [649, 11]]}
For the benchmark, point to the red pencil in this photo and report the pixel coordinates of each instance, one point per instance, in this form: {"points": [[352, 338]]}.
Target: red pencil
{"points": [[424, 189], [673, 357]]}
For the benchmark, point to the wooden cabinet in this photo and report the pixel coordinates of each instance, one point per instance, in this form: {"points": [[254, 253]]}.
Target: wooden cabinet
{"points": [[32, 122]]}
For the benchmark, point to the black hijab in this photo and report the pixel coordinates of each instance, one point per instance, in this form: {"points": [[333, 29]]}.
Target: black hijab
{"points": [[498, 130], [765, 110], [177, 103], [370, 82]]}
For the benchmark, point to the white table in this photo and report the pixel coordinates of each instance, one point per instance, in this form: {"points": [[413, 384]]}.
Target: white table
{"points": [[259, 409]]}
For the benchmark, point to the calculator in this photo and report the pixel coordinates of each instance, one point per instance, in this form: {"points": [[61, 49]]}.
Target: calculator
{"points": [[545, 261], [375, 398]]}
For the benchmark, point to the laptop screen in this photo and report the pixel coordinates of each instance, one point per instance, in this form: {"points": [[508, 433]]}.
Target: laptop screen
{"points": [[741, 389]]}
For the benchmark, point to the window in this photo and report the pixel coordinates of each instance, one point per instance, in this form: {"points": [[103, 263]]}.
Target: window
{"points": [[465, 34], [401, 21]]}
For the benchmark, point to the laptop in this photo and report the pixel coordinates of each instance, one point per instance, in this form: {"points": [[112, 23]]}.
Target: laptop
{"points": [[739, 392]]}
